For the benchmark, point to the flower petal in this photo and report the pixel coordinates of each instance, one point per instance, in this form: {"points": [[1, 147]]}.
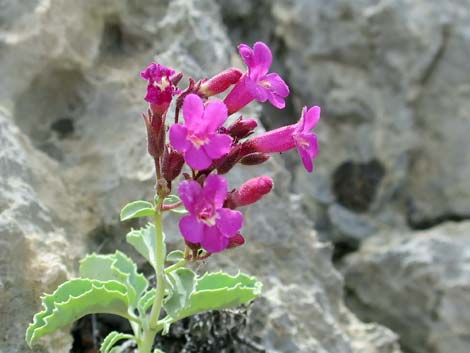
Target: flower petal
{"points": [[178, 137], [215, 188], [277, 101], [262, 58], [190, 192], [197, 158], [213, 241], [193, 109], [215, 114], [277, 84], [308, 152], [311, 117], [229, 221], [257, 91], [247, 55], [219, 145], [191, 229]]}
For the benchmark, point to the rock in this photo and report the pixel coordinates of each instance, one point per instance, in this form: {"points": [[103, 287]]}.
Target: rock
{"points": [[70, 83], [416, 283]]}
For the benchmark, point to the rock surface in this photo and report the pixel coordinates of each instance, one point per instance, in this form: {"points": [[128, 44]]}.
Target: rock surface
{"points": [[417, 284], [392, 80], [70, 84]]}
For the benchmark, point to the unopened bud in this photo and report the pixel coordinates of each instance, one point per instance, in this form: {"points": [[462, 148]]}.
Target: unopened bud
{"points": [[172, 164], [220, 82], [255, 158], [250, 192], [155, 125], [242, 128], [236, 241], [228, 162]]}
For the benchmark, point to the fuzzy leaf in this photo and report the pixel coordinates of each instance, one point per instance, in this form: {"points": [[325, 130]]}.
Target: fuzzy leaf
{"points": [[146, 301], [111, 339], [175, 256], [74, 299], [215, 291], [183, 283], [172, 199], [117, 267], [143, 240], [137, 209]]}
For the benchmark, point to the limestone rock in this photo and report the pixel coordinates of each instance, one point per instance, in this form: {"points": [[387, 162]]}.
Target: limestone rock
{"points": [[416, 284]]}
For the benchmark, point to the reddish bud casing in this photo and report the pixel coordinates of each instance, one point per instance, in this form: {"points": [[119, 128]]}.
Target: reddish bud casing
{"points": [[255, 158], [172, 163], [242, 128], [236, 241], [155, 125], [250, 192]]}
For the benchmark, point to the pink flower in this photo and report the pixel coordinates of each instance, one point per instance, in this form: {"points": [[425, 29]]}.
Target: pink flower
{"points": [[220, 82], [257, 83], [161, 86], [198, 137], [285, 138], [208, 223]]}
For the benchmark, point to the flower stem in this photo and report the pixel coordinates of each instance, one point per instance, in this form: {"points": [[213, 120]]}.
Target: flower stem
{"points": [[152, 328]]}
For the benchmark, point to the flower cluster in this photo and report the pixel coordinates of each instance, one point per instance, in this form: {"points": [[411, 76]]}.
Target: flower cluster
{"points": [[210, 147]]}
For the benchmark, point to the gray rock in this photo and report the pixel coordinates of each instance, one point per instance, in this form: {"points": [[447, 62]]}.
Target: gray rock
{"points": [[417, 284]]}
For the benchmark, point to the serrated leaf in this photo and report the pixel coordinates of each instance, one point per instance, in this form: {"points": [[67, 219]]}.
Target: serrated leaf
{"points": [[74, 299], [175, 256], [111, 339], [146, 301], [117, 267], [172, 199], [137, 209], [216, 291], [144, 241], [183, 283]]}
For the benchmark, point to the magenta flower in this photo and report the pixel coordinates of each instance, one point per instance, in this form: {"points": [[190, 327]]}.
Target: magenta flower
{"points": [[208, 223], [257, 83], [285, 138], [161, 86], [198, 137]]}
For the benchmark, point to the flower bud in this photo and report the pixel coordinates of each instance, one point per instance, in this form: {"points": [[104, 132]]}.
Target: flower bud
{"points": [[255, 158], [250, 192], [172, 163], [155, 125], [236, 241], [242, 128], [220, 82], [227, 162]]}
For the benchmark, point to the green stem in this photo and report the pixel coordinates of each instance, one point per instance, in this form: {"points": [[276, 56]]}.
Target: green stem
{"points": [[152, 328], [176, 266]]}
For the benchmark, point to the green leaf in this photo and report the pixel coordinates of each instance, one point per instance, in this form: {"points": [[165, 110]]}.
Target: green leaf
{"points": [[137, 209], [215, 291], [111, 339], [172, 199], [74, 299], [183, 282], [143, 240], [175, 256], [158, 351], [146, 301], [117, 267]]}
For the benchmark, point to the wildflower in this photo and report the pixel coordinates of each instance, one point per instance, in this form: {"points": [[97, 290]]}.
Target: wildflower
{"points": [[242, 128], [250, 192], [220, 82], [161, 86], [198, 137], [208, 223], [285, 138], [257, 83]]}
